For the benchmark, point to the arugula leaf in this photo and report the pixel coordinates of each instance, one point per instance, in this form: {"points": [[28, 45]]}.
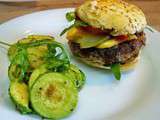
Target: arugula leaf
{"points": [[116, 71], [37, 43], [56, 57], [66, 29], [77, 23], [70, 16], [20, 60]]}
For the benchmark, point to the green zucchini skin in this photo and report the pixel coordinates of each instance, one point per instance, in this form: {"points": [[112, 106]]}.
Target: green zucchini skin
{"points": [[76, 75], [53, 96], [11, 72], [14, 71], [20, 96], [35, 74], [11, 52], [73, 72]]}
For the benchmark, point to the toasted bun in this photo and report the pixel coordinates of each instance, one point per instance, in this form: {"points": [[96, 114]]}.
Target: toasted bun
{"points": [[125, 67], [121, 17]]}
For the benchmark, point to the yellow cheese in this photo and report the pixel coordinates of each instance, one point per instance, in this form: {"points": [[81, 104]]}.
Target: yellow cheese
{"points": [[108, 44], [113, 42], [76, 33]]}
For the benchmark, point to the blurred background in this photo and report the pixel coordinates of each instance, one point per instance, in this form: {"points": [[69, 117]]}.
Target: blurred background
{"points": [[12, 8]]}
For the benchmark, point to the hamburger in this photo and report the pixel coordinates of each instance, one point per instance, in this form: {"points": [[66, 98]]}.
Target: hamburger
{"points": [[107, 34]]}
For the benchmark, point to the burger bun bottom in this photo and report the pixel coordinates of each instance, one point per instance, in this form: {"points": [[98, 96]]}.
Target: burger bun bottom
{"points": [[125, 67]]}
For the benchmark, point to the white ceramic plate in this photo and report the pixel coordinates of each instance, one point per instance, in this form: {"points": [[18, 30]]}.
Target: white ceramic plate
{"points": [[135, 97]]}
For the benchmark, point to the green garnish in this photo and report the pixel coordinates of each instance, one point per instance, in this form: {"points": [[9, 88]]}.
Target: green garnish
{"points": [[21, 61], [70, 16], [116, 71], [56, 57], [79, 23], [66, 29]]}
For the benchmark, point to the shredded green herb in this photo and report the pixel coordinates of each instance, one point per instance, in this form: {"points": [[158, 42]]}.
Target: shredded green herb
{"points": [[70, 16], [20, 60], [56, 57], [116, 71], [66, 29], [77, 23]]}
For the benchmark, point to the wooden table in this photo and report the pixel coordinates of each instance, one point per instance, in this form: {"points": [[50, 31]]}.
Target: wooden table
{"points": [[11, 10]]}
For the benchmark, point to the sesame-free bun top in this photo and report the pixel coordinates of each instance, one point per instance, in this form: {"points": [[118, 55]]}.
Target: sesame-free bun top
{"points": [[121, 17]]}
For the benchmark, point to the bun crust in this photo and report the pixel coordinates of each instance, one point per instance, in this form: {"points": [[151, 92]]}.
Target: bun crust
{"points": [[123, 18], [128, 66]]}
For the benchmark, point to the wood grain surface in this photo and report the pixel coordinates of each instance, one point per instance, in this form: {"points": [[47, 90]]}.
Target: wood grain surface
{"points": [[9, 10]]}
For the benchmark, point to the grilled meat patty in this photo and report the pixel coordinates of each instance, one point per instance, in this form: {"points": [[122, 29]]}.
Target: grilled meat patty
{"points": [[122, 53]]}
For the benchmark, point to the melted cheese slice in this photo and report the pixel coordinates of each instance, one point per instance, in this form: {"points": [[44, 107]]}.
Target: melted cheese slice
{"points": [[108, 44], [75, 33]]}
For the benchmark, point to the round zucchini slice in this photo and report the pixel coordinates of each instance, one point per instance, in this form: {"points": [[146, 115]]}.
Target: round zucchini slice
{"points": [[20, 96], [76, 75], [13, 72], [53, 96], [40, 37], [11, 52], [35, 54], [35, 74], [32, 38]]}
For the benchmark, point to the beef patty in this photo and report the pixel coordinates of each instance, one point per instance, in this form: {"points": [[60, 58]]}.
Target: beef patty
{"points": [[122, 53]]}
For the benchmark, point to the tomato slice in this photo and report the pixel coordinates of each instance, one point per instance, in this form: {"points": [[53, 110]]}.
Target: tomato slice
{"points": [[94, 30], [98, 31], [122, 37]]}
